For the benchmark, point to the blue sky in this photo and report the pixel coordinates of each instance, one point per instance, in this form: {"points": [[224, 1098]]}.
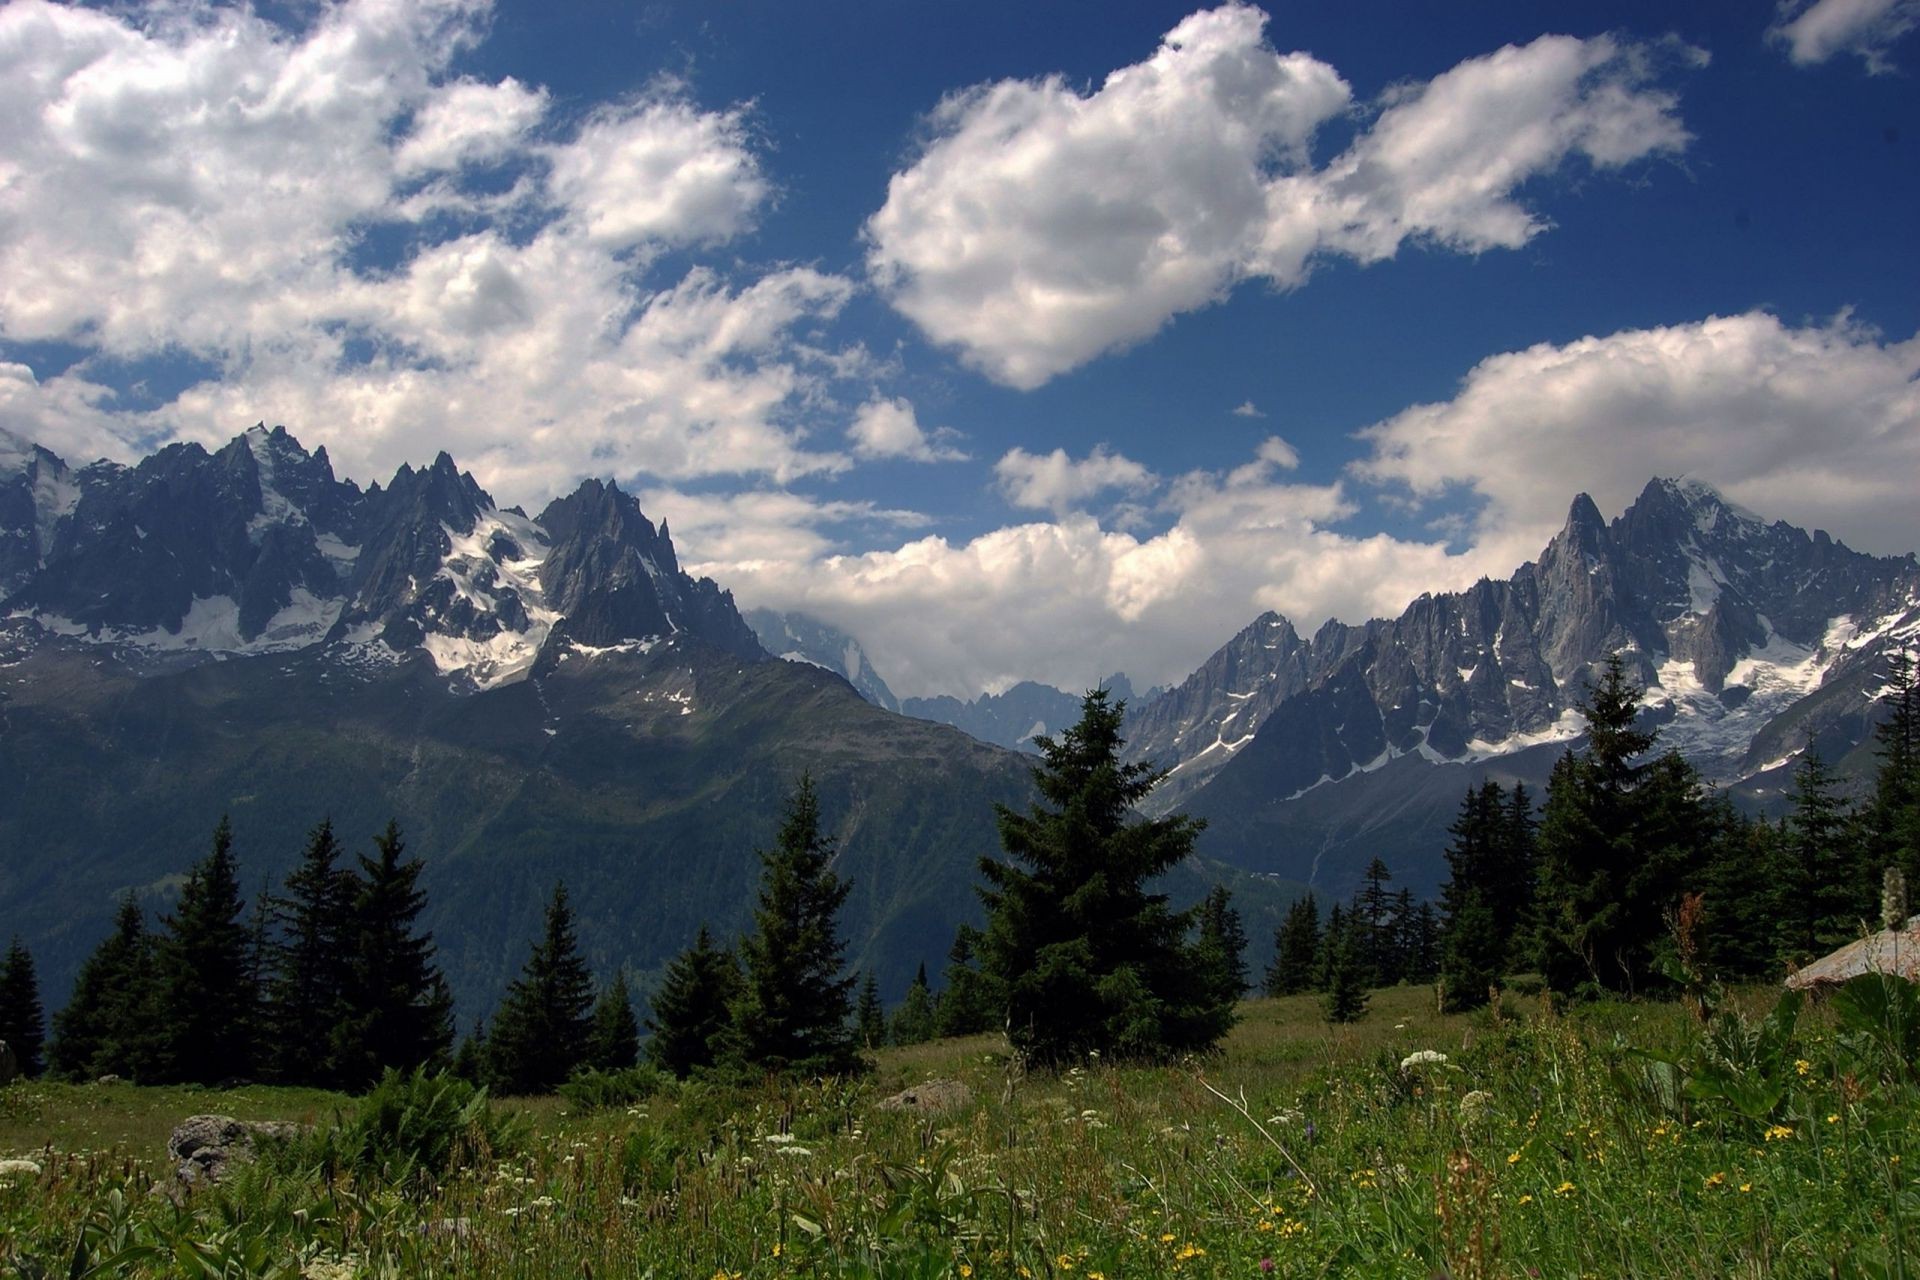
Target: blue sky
{"points": [[932, 319]]}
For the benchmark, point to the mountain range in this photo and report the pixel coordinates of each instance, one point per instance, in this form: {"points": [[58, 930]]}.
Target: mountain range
{"points": [[534, 698]]}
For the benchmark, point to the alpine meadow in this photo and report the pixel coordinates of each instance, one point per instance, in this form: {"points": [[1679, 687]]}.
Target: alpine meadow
{"points": [[1289, 643]]}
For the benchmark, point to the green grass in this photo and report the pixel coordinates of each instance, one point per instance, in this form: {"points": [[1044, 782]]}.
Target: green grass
{"points": [[1307, 1148]]}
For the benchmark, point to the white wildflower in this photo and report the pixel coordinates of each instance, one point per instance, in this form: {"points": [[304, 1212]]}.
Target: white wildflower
{"points": [[1423, 1058]]}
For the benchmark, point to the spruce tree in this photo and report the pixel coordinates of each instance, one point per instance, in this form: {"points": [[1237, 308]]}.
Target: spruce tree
{"points": [[540, 1032], [692, 1011], [1825, 891], [470, 1059], [968, 1004], [793, 1010], [209, 1000], [1222, 945], [1471, 955], [94, 1035], [1740, 885], [1891, 821], [913, 1021], [23, 1023], [399, 1012], [1334, 936], [1346, 993], [310, 971], [1296, 950], [1087, 958], [869, 1015], [1373, 910], [613, 1044]]}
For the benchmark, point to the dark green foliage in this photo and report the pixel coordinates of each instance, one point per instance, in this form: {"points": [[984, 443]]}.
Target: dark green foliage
{"points": [[208, 998], [969, 1003], [1740, 886], [913, 1021], [1419, 939], [110, 1025], [401, 1014], [1472, 957], [416, 1127], [1892, 817], [1222, 946], [869, 1015], [1619, 840], [1345, 998], [692, 1011], [1373, 912], [1826, 896], [539, 1035], [613, 1045], [793, 1009], [1296, 950], [310, 971], [1089, 961], [470, 1059], [597, 1090], [23, 1023]]}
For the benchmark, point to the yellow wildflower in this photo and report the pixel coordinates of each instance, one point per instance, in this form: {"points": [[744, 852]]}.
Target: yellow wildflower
{"points": [[965, 1271], [1716, 1179], [1564, 1189], [1777, 1132], [1802, 1066], [1527, 1199], [1834, 1118], [1745, 1187], [1166, 1237], [1514, 1158]]}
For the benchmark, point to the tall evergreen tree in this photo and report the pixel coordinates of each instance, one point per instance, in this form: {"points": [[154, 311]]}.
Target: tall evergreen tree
{"points": [[1741, 887], [1420, 943], [208, 996], [613, 1044], [1088, 959], [1345, 999], [1373, 909], [1511, 886], [1336, 934], [23, 1023], [913, 1021], [310, 971], [1472, 955], [793, 1010], [1826, 894], [1619, 840], [869, 1015], [1474, 946], [110, 1025], [692, 1011], [1892, 817], [1222, 946], [1296, 950], [400, 1013], [968, 1004], [539, 1035]]}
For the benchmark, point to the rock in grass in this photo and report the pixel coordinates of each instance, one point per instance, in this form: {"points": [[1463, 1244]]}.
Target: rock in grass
{"points": [[930, 1099], [204, 1146]]}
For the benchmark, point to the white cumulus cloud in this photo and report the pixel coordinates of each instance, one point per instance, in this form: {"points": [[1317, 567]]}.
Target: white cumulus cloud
{"points": [[1059, 483], [1814, 32], [888, 427], [1041, 226]]}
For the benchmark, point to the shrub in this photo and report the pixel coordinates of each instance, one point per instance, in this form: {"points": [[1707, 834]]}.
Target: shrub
{"points": [[592, 1090], [418, 1127]]}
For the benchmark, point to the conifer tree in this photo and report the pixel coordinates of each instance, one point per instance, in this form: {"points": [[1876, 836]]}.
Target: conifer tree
{"points": [[1335, 935], [1296, 950], [110, 1023], [399, 1011], [967, 1005], [1473, 946], [1088, 959], [1222, 945], [1825, 891], [1419, 940], [1472, 955], [23, 1023], [208, 996], [913, 1021], [1620, 838], [1892, 817], [869, 1015], [470, 1059], [1346, 993], [310, 971], [692, 1011], [793, 1010], [539, 1035], [614, 1041], [1373, 911]]}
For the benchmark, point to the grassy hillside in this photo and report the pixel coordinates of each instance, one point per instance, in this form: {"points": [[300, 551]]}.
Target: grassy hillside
{"points": [[1541, 1146]]}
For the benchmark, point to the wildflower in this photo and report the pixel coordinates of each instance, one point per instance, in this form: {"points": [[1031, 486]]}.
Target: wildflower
{"points": [[1716, 1179], [1423, 1058], [10, 1167], [1564, 1189], [1745, 1187], [1475, 1105], [1266, 1266], [1514, 1158], [965, 1271], [1190, 1250], [1527, 1199], [1777, 1133], [1802, 1066], [1834, 1118], [1166, 1237]]}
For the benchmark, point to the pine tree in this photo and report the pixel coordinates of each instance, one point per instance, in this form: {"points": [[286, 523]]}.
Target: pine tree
{"points": [[869, 1015], [1334, 936], [399, 1012], [209, 1000], [1473, 946], [1346, 994], [692, 1011], [1372, 911], [1892, 817], [913, 1021], [613, 1044], [1824, 896], [1471, 955], [1296, 950], [23, 1024], [793, 1010], [470, 1059], [1511, 886], [1088, 959], [1420, 943], [968, 1004], [1619, 841], [309, 972], [96, 1033], [539, 1035], [1222, 945]]}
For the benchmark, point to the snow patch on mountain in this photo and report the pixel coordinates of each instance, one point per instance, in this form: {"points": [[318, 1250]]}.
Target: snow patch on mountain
{"points": [[501, 554], [212, 625]]}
